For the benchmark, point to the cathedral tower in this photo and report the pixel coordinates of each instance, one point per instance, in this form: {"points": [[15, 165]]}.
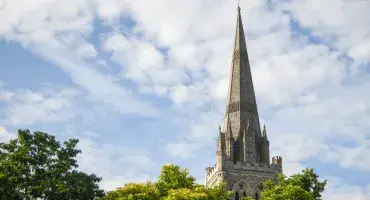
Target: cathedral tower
{"points": [[243, 150]]}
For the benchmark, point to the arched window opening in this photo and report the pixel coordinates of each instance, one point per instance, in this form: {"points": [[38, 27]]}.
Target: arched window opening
{"points": [[244, 194], [256, 196], [236, 196]]}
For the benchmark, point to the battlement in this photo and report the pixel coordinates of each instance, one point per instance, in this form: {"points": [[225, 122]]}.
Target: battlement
{"points": [[210, 174], [249, 166], [277, 161], [210, 171]]}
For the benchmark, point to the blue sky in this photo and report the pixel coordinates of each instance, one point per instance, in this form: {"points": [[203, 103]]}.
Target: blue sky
{"points": [[143, 83]]}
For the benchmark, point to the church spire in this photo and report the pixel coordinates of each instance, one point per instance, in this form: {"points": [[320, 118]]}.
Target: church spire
{"points": [[241, 101], [242, 148]]}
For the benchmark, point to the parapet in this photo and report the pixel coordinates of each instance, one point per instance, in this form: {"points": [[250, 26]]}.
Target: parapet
{"points": [[210, 175], [277, 160], [210, 171]]}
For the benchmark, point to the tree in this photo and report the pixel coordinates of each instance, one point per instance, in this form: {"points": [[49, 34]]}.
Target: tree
{"points": [[301, 186], [173, 183], [307, 180], [173, 177], [37, 166], [289, 192], [133, 191]]}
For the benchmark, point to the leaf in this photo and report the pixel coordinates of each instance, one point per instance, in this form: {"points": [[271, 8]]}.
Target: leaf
{"points": [[35, 165]]}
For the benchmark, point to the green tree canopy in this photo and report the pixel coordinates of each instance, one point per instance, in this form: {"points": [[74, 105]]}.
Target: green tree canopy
{"points": [[37, 166], [287, 192], [172, 177], [302, 186], [307, 180], [173, 183], [133, 191]]}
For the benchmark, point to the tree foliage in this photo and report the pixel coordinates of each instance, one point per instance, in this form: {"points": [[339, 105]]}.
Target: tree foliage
{"points": [[307, 180], [288, 192], [172, 177], [302, 186], [173, 183], [37, 166], [133, 191]]}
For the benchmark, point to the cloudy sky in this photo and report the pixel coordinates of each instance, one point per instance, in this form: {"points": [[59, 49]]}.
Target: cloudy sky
{"points": [[142, 82]]}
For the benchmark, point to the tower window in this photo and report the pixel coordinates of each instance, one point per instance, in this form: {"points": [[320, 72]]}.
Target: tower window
{"points": [[236, 196], [256, 196]]}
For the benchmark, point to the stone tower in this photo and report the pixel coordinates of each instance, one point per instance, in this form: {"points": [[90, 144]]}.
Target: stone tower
{"points": [[243, 150]]}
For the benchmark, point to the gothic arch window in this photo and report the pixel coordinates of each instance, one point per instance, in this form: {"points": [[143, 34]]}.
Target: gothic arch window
{"points": [[242, 188], [257, 190], [256, 196], [236, 196]]}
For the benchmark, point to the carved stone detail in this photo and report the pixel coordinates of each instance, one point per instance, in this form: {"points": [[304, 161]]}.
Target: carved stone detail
{"points": [[240, 54], [243, 106], [238, 177], [236, 55]]}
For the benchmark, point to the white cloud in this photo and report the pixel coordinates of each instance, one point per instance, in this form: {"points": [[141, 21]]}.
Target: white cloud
{"points": [[330, 121], [55, 30], [303, 147], [295, 146], [142, 62], [117, 42], [6, 136], [360, 51], [102, 88], [117, 164], [338, 189], [180, 94], [170, 23], [355, 156], [39, 21], [344, 23], [110, 9], [182, 149], [201, 130], [25, 107], [86, 51]]}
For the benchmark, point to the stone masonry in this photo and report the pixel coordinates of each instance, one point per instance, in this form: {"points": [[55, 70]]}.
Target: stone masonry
{"points": [[243, 150]]}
